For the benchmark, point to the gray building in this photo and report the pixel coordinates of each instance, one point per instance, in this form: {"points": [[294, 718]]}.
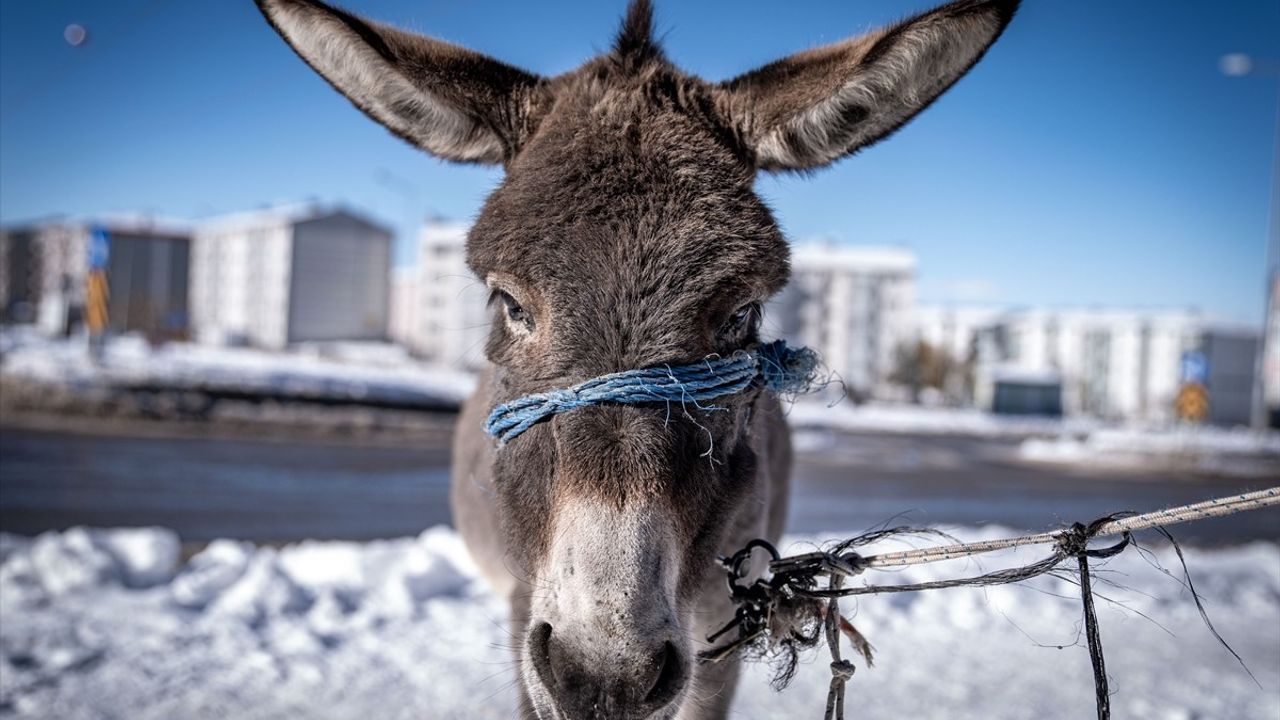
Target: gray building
{"points": [[44, 268], [291, 274], [1231, 355]]}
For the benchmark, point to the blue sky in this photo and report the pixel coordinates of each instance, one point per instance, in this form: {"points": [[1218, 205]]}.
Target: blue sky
{"points": [[1095, 157]]}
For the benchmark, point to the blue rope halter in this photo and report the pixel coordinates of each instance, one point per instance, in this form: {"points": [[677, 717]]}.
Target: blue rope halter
{"points": [[777, 367]]}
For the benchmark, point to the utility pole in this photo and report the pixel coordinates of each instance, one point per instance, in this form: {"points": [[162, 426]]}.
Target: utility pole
{"points": [[1239, 65]]}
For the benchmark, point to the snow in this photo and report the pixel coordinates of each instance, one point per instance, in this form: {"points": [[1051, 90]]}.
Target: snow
{"points": [[1079, 442], [919, 419], [1237, 451], [81, 558], [97, 625], [364, 371], [142, 556]]}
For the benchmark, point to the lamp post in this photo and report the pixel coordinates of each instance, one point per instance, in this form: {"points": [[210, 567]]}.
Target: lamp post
{"points": [[412, 195], [1241, 65]]}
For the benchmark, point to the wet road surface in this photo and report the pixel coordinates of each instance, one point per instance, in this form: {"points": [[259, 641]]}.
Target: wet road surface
{"points": [[282, 490]]}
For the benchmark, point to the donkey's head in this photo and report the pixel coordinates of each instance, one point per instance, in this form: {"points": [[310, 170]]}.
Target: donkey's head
{"points": [[626, 234]]}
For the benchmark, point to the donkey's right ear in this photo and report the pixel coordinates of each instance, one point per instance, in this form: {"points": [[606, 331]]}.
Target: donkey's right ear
{"points": [[815, 107], [449, 101]]}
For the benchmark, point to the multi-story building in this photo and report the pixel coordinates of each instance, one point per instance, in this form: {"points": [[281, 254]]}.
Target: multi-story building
{"points": [[442, 312], [402, 316], [954, 329], [290, 274], [1116, 364], [44, 268], [855, 305]]}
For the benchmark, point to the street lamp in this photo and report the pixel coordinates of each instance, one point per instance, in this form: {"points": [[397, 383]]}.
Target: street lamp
{"points": [[1241, 65], [412, 195]]}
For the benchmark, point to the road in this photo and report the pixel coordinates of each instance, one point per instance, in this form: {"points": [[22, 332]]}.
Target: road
{"points": [[283, 490]]}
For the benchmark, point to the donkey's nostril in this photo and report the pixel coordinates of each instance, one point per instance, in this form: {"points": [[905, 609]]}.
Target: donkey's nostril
{"points": [[670, 678], [540, 652]]}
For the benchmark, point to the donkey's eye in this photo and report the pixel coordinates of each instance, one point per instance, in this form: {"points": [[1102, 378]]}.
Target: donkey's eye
{"points": [[744, 321], [515, 312]]}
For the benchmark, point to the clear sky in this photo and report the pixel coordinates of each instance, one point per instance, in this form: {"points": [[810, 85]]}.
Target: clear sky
{"points": [[1095, 157]]}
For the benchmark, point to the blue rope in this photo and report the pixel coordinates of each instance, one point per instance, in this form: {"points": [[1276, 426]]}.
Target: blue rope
{"points": [[775, 366]]}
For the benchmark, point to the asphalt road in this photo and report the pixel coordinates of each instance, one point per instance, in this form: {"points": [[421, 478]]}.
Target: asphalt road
{"points": [[282, 490], [865, 481]]}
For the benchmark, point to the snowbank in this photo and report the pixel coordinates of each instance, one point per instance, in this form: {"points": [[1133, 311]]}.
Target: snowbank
{"points": [[359, 371], [1077, 441], [918, 419], [97, 626], [1239, 452]]}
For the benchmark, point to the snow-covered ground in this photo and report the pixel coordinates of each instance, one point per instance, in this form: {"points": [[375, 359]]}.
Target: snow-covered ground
{"points": [[358, 371], [923, 420], [97, 625], [1238, 451], [1077, 442]]}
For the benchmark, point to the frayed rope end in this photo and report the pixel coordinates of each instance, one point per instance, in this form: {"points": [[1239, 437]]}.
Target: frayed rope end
{"points": [[785, 369]]}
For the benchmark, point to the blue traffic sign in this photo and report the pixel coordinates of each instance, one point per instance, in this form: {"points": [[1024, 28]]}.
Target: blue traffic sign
{"points": [[1194, 367], [99, 248]]}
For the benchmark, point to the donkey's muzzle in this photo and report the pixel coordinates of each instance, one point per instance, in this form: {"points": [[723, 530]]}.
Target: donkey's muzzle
{"points": [[637, 682]]}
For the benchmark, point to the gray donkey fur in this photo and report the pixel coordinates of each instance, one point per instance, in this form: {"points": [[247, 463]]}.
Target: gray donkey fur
{"points": [[626, 233]]}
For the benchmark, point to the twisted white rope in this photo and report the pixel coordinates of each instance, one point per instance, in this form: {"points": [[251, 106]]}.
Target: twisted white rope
{"points": [[1171, 516]]}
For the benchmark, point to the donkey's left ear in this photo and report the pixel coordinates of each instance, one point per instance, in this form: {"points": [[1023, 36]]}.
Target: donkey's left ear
{"points": [[815, 107], [447, 100]]}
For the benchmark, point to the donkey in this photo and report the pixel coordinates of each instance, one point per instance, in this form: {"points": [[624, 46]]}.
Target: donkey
{"points": [[626, 234]]}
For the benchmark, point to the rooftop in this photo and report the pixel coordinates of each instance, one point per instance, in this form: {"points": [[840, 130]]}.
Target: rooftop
{"points": [[852, 258], [287, 214]]}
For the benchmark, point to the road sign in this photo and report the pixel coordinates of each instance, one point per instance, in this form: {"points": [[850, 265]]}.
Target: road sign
{"points": [[1194, 367], [1192, 403], [99, 248], [97, 295]]}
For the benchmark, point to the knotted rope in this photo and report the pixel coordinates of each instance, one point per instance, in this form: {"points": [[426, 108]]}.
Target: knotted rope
{"points": [[775, 366], [789, 610]]}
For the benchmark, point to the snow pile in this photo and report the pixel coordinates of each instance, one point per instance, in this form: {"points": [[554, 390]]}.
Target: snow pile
{"points": [[55, 564], [1238, 451], [359, 371], [95, 626], [919, 419]]}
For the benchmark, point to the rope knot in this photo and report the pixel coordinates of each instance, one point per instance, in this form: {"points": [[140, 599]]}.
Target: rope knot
{"points": [[1074, 541], [563, 399], [841, 670]]}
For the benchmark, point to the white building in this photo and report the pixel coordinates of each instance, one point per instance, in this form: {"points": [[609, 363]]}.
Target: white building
{"points": [[1114, 364], [290, 274], [441, 308], [954, 329], [402, 317], [854, 305]]}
